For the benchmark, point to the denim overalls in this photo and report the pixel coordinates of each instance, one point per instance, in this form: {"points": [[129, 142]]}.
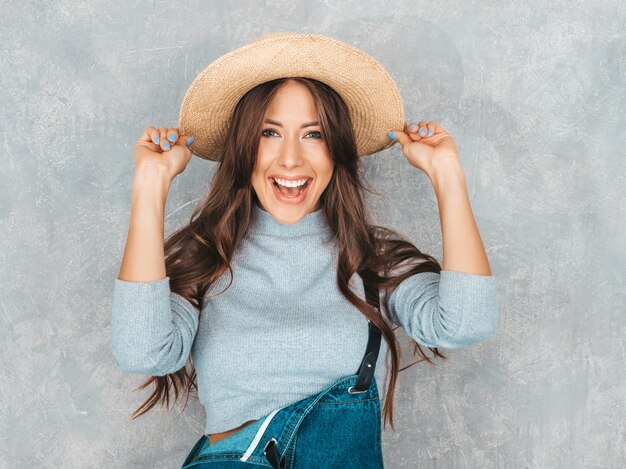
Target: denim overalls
{"points": [[340, 427]]}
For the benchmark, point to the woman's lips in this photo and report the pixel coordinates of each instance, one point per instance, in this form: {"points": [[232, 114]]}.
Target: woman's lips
{"points": [[290, 200]]}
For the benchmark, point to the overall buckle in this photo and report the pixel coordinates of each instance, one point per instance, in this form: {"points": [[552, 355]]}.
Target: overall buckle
{"points": [[271, 453]]}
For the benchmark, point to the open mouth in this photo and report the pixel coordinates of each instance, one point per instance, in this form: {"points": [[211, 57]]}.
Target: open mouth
{"points": [[290, 193]]}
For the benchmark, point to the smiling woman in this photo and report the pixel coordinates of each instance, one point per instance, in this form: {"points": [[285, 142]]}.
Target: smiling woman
{"points": [[281, 269], [294, 165]]}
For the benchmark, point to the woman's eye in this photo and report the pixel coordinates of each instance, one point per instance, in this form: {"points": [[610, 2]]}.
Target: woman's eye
{"points": [[272, 130]]}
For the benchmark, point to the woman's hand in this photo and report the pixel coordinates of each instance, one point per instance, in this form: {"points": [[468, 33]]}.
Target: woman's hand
{"points": [[427, 145], [164, 149]]}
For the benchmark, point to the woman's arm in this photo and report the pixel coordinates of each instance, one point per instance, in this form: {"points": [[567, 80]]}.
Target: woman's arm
{"points": [[448, 309], [463, 249], [458, 306], [144, 258], [152, 328]]}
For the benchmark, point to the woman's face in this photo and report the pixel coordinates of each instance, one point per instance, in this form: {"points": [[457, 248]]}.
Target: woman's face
{"points": [[291, 149]]}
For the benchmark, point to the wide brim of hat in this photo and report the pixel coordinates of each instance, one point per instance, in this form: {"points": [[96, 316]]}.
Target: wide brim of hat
{"points": [[371, 95]]}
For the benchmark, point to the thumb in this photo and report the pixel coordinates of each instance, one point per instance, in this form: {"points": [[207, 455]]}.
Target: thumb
{"points": [[401, 137], [187, 139]]}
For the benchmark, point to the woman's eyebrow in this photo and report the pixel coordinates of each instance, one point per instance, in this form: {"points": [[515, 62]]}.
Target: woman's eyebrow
{"points": [[306, 124]]}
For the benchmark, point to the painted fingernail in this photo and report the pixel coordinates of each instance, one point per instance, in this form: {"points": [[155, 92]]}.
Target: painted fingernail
{"points": [[166, 145], [413, 127], [430, 132], [156, 140], [172, 137], [190, 141], [422, 131], [392, 135]]}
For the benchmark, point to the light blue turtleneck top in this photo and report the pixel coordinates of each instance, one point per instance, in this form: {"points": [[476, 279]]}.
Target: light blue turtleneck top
{"points": [[282, 331]]}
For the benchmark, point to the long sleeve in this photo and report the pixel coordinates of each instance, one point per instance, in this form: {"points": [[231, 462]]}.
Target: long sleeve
{"points": [[449, 310], [152, 328]]}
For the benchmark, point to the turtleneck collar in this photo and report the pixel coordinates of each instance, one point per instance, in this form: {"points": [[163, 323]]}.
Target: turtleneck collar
{"points": [[312, 224]]}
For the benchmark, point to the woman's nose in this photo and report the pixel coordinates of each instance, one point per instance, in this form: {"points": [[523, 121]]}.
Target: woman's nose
{"points": [[291, 153]]}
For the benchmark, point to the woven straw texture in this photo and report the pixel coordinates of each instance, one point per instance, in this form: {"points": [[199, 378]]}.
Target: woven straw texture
{"points": [[370, 93]]}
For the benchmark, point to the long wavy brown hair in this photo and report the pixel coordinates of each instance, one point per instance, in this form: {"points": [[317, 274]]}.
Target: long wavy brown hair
{"points": [[197, 254]]}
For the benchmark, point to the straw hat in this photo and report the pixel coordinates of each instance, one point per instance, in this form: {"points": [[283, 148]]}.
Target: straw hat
{"points": [[373, 100]]}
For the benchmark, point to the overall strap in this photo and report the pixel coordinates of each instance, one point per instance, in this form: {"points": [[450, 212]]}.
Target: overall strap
{"points": [[365, 372], [368, 364]]}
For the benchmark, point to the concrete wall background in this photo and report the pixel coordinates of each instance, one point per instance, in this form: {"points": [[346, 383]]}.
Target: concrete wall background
{"points": [[533, 93]]}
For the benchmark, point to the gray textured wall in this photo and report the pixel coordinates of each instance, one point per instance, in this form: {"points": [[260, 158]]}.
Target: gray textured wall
{"points": [[533, 94]]}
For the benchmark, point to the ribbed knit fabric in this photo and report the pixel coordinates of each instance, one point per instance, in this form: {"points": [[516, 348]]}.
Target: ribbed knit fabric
{"points": [[282, 331]]}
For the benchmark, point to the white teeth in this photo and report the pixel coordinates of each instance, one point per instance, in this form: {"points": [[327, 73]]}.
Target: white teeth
{"points": [[284, 182]]}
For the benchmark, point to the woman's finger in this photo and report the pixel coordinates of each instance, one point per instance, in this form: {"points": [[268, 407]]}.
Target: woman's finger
{"points": [[172, 136], [411, 129], [150, 134], [423, 128], [436, 128], [186, 140], [165, 144]]}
